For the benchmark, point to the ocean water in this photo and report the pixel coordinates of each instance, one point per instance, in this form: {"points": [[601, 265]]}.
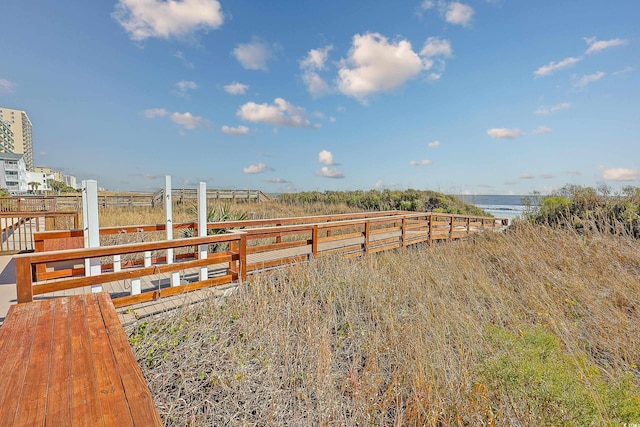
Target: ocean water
{"points": [[501, 205]]}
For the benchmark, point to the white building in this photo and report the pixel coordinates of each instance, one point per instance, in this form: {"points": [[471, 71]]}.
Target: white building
{"points": [[42, 180], [6, 137], [22, 133], [13, 173], [70, 180]]}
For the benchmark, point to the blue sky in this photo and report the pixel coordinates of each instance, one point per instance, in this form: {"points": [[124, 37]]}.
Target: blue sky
{"points": [[475, 96]]}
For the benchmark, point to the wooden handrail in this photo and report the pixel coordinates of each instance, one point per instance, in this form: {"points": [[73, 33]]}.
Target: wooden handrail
{"points": [[353, 237]]}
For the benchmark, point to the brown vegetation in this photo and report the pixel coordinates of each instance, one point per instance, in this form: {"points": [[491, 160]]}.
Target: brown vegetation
{"points": [[535, 326]]}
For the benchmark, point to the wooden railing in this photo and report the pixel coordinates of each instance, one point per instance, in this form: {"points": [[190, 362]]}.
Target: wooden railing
{"points": [[156, 199], [28, 204], [244, 247], [18, 229]]}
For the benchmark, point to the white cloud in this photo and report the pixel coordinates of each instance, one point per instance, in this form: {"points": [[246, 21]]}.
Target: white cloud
{"points": [[458, 13], [620, 174], [184, 86], [326, 158], [188, 120], [254, 55], [504, 133], [596, 46], [434, 144], [316, 59], [541, 129], [625, 70], [316, 85], [435, 46], [376, 65], [427, 4], [239, 130], [552, 67], [553, 109], [236, 88], [152, 113], [280, 113], [420, 163], [259, 168], [588, 78], [526, 176], [165, 19], [326, 172], [184, 60], [276, 181], [6, 86], [379, 185]]}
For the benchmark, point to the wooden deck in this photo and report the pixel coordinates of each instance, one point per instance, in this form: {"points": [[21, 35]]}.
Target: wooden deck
{"points": [[66, 359], [67, 362], [248, 246]]}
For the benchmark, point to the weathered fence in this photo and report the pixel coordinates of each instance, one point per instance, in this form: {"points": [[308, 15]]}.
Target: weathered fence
{"points": [[245, 246], [74, 201], [28, 204], [18, 229]]}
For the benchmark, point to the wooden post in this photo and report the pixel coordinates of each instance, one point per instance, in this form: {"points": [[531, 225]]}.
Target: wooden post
{"points": [[242, 256], [366, 237], [403, 232], [24, 281], [168, 210], [314, 241], [430, 241], [451, 229], [468, 226], [202, 226], [91, 228]]}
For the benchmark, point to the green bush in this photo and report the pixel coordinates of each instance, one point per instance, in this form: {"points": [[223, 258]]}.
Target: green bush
{"points": [[556, 388]]}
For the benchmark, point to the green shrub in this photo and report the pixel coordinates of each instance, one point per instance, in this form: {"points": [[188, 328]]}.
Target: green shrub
{"points": [[555, 388]]}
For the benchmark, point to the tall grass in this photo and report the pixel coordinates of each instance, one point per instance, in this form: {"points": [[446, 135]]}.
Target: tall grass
{"points": [[120, 216], [535, 326]]}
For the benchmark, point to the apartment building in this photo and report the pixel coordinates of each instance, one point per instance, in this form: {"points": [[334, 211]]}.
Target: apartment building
{"points": [[13, 173], [6, 137], [22, 133]]}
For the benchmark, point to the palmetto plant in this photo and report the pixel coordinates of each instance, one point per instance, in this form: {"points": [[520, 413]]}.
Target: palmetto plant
{"points": [[217, 213]]}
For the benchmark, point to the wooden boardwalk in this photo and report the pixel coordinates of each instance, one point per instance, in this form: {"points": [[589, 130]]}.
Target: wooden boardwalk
{"points": [[67, 362], [243, 248], [66, 359]]}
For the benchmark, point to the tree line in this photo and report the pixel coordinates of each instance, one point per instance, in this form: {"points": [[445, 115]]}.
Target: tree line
{"points": [[382, 200]]}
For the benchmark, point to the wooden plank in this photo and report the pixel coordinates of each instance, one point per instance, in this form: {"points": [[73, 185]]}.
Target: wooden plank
{"points": [[129, 274], [59, 396], [32, 401], [384, 248], [16, 350], [384, 230], [85, 406], [155, 294], [277, 262], [113, 401], [276, 246], [143, 410], [339, 237], [342, 249]]}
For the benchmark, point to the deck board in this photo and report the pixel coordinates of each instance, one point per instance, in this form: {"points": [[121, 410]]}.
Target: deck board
{"points": [[67, 362]]}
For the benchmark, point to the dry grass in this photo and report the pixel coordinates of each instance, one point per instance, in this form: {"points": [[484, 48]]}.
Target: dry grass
{"points": [[530, 327], [120, 216]]}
